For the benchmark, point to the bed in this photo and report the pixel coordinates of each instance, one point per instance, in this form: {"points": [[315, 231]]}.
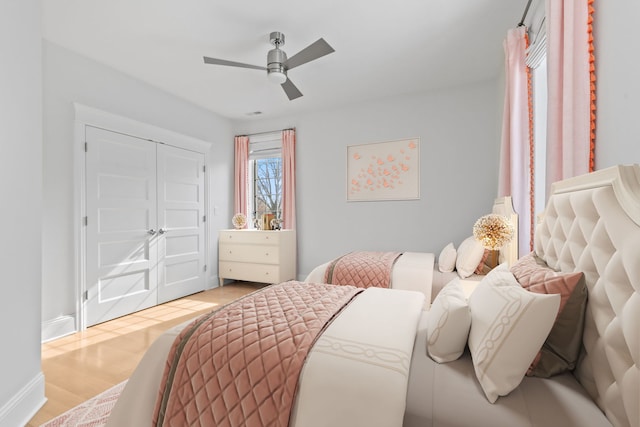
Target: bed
{"points": [[591, 225], [411, 271], [590, 228], [361, 356], [420, 271]]}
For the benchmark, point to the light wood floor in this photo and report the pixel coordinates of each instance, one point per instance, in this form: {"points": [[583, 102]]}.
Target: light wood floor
{"points": [[82, 365]]}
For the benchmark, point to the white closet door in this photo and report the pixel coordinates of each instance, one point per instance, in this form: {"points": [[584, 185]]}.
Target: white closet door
{"points": [[181, 212], [121, 230]]}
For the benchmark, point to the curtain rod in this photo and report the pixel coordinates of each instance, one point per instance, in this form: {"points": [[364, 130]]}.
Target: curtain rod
{"points": [[266, 132], [524, 15]]}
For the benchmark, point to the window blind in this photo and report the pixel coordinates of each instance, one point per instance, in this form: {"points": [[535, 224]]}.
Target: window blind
{"points": [[265, 146], [537, 50]]}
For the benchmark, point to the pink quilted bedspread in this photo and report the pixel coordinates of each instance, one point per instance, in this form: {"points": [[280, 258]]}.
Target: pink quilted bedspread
{"points": [[362, 269], [239, 366]]}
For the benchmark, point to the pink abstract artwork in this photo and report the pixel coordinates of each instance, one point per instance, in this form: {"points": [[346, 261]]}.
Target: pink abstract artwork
{"points": [[384, 170]]}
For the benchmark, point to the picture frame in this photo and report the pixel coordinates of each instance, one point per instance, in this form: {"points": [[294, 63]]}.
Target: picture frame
{"points": [[384, 171]]}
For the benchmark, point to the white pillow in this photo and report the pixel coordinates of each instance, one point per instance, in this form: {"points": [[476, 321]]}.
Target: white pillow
{"points": [[448, 323], [447, 259], [508, 327], [470, 254]]}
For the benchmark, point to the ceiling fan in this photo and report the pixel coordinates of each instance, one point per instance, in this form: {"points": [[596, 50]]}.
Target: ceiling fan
{"points": [[278, 64]]}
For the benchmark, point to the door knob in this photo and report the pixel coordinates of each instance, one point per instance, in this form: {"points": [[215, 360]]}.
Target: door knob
{"points": [[151, 232], [162, 230]]}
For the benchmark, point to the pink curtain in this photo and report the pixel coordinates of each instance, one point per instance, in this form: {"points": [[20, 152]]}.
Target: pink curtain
{"points": [[241, 175], [289, 179], [515, 161], [570, 89]]}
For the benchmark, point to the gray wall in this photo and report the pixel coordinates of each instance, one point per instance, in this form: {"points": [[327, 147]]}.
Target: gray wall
{"points": [[618, 86], [70, 78], [21, 380], [459, 133]]}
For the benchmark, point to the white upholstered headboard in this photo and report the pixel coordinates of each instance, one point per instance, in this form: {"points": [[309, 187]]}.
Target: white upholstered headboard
{"points": [[592, 224]]}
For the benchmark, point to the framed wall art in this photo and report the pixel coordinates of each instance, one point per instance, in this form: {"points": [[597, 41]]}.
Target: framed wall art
{"points": [[384, 171]]}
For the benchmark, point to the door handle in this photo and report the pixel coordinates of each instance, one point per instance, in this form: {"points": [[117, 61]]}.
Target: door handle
{"points": [[151, 232], [162, 231]]}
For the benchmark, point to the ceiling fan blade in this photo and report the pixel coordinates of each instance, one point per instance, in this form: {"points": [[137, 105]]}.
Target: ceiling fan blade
{"points": [[315, 50], [215, 61], [291, 90]]}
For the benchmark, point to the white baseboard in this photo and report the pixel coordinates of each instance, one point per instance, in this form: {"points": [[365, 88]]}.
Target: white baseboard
{"points": [[58, 327], [24, 405]]}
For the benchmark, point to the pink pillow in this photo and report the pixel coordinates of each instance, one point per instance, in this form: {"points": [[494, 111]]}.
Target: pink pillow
{"points": [[560, 351]]}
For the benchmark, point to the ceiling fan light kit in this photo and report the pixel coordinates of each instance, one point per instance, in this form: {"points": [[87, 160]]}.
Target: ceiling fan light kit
{"points": [[277, 76], [278, 64]]}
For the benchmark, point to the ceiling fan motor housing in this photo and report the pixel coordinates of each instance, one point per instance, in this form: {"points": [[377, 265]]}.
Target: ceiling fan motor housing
{"points": [[276, 58]]}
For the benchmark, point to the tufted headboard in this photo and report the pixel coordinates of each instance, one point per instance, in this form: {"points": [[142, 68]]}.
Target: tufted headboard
{"points": [[592, 224]]}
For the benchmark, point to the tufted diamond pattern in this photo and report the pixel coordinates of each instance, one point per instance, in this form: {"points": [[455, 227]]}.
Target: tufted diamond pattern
{"points": [[589, 231], [362, 269], [239, 365]]}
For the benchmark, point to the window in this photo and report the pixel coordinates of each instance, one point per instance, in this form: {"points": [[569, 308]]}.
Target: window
{"points": [[267, 186], [265, 181]]}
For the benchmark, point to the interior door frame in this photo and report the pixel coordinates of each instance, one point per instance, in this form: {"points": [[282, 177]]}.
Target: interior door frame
{"points": [[89, 116]]}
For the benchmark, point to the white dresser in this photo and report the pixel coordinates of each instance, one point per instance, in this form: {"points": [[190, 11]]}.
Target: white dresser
{"points": [[257, 256]]}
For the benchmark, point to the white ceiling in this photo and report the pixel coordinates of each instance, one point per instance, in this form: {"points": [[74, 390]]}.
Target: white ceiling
{"points": [[382, 47]]}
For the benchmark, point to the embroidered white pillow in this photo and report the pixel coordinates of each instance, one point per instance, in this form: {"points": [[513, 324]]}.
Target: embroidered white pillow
{"points": [[470, 254], [447, 259], [508, 327], [448, 323]]}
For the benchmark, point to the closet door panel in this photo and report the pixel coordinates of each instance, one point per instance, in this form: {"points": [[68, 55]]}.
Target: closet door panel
{"points": [[121, 208], [181, 211]]}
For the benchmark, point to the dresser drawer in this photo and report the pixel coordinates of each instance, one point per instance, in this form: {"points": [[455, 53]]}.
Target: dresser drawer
{"points": [[263, 273], [265, 254], [250, 237]]}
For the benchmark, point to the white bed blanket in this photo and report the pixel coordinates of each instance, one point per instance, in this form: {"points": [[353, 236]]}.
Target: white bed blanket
{"points": [[358, 370], [413, 271], [340, 382]]}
